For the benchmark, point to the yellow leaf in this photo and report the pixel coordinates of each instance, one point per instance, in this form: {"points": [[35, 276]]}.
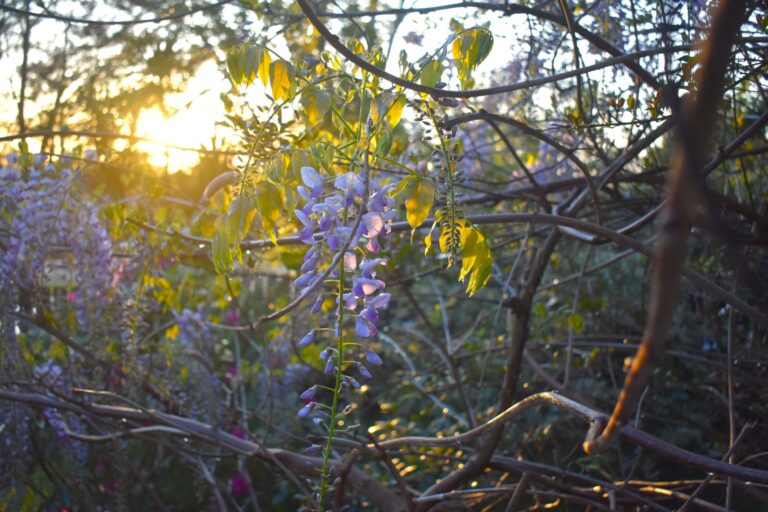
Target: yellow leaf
{"points": [[428, 238], [269, 203], [470, 48], [264, 63], [476, 258], [419, 196], [172, 332], [387, 107], [58, 351], [283, 78]]}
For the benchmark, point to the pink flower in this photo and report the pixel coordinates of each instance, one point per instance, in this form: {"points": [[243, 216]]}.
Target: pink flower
{"points": [[233, 318], [238, 485], [239, 432], [71, 297]]}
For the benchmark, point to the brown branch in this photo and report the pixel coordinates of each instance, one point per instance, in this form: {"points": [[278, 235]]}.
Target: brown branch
{"points": [[694, 277], [696, 124], [619, 58]]}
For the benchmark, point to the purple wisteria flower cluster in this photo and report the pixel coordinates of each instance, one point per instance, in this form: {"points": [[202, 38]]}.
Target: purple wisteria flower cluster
{"points": [[51, 375], [194, 330], [47, 222], [344, 219]]}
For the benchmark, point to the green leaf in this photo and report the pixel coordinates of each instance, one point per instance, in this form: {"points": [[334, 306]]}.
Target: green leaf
{"points": [[476, 260], [316, 102], [431, 73], [233, 65], [283, 79], [239, 217], [220, 250], [59, 352], [576, 322], [383, 141], [470, 48], [419, 194], [246, 62]]}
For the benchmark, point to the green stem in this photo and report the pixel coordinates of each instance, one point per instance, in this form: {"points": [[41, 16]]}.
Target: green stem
{"points": [[337, 385], [339, 329], [451, 202]]}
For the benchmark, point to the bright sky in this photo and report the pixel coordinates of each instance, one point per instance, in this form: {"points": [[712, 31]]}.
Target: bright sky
{"points": [[192, 123]]}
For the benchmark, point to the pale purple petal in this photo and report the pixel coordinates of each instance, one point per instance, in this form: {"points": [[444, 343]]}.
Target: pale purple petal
{"points": [[364, 328], [311, 177], [350, 301], [350, 261], [373, 223], [366, 267], [381, 301]]}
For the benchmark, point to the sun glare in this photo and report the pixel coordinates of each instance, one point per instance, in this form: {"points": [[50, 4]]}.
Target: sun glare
{"points": [[192, 123]]}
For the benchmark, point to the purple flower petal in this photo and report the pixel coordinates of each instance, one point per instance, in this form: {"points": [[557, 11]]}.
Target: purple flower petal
{"points": [[373, 223], [366, 267], [310, 264], [311, 177], [381, 301], [350, 301], [330, 366], [307, 338], [373, 358], [350, 261], [370, 314], [364, 328], [317, 306], [304, 279], [307, 235], [303, 218], [309, 393], [313, 449], [364, 371], [362, 287]]}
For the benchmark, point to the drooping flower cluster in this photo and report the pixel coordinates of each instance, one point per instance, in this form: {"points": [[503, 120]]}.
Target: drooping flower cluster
{"points": [[52, 236], [344, 221], [52, 376]]}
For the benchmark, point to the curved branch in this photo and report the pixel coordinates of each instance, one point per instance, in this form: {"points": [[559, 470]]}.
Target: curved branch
{"points": [[336, 43]]}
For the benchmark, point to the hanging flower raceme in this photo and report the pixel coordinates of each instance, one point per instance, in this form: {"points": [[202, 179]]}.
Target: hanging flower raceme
{"points": [[49, 224], [343, 221]]}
